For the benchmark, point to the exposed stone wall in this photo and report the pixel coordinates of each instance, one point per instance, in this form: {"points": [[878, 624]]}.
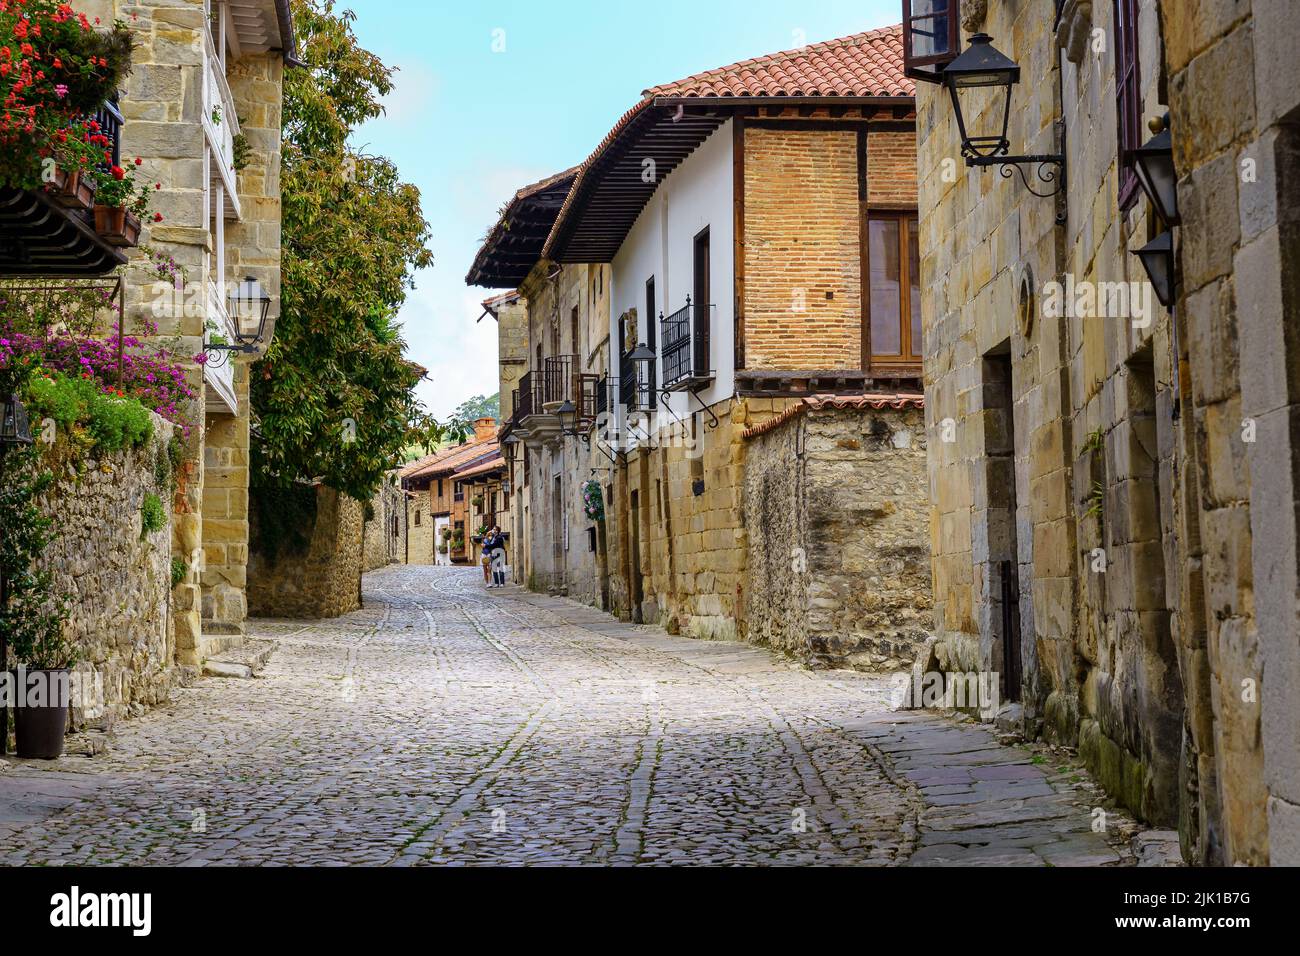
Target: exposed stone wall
{"points": [[162, 103], [421, 538], [687, 535], [225, 522], [323, 582], [1099, 455], [1239, 250], [385, 525], [838, 569], [118, 579], [550, 547]]}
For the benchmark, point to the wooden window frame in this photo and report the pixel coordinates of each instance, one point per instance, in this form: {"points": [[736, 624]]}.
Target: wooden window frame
{"points": [[930, 68], [1128, 98], [907, 364]]}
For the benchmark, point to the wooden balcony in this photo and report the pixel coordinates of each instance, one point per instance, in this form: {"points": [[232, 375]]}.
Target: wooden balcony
{"points": [[39, 236]]}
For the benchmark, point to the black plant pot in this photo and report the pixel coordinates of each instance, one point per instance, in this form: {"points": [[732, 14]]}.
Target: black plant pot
{"points": [[38, 731]]}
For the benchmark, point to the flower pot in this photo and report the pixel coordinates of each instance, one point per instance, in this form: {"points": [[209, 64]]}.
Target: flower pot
{"points": [[73, 189], [38, 731], [117, 225]]}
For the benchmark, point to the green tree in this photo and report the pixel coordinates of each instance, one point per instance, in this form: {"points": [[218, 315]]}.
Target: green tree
{"points": [[334, 398], [480, 406]]}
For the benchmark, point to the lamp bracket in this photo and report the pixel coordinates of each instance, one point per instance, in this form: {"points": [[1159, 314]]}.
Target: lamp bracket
{"points": [[710, 425], [1051, 170]]}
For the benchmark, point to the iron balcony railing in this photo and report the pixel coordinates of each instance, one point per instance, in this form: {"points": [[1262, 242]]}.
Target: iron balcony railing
{"points": [[110, 121], [685, 338], [558, 378], [524, 396], [601, 397]]}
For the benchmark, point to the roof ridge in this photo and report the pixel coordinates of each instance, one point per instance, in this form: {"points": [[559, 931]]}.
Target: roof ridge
{"points": [[853, 39]]}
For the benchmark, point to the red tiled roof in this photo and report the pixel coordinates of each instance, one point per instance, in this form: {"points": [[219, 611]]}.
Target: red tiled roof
{"points": [[871, 400], [446, 460], [496, 463], [864, 64]]}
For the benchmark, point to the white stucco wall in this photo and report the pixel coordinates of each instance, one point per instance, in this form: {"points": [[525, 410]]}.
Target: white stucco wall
{"points": [[695, 195]]}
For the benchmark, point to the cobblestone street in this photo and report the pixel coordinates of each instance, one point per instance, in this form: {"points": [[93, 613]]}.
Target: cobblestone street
{"points": [[448, 724]]}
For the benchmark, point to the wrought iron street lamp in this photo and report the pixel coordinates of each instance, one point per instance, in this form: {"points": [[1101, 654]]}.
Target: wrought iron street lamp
{"points": [[567, 413], [1153, 162], [982, 67], [250, 307], [14, 427], [643, 358], [1157, 258]]}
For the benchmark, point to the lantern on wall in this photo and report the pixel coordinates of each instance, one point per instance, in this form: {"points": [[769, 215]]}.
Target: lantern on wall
{"points": [[981, 70], [981, 67], [1157, 257], [643, 358], [14, 427], [1153, 162]]}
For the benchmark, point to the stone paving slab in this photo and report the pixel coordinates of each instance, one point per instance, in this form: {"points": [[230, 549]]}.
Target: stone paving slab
{"points": [[448, 725]]}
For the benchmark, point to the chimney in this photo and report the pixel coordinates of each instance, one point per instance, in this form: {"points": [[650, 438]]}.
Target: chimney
{"points": [[485, 429]]}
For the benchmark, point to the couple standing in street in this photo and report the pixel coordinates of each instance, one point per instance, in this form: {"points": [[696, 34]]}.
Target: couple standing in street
{"points": [[494, 558]]}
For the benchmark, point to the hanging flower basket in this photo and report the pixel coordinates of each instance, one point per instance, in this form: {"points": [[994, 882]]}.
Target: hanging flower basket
{"points": [[593, 500], [73, 189], [117, 225]]}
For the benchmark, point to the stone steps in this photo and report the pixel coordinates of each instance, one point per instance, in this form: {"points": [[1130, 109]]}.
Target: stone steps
{"points": [[244, 662]]}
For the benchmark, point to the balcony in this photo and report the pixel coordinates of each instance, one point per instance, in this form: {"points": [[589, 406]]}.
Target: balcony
{"points": [[44, 235], [220, 377], [542, 391], [685, 338], [220, 126]]}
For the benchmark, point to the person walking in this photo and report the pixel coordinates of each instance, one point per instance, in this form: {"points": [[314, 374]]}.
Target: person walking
{"points": [[494, 547]]}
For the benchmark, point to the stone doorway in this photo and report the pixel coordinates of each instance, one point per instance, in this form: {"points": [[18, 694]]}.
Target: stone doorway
{"points": [[1004, 637]]}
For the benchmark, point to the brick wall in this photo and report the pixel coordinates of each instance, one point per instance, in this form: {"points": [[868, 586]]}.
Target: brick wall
{"points": [[803, 234], [803, 294], [891, 169]]}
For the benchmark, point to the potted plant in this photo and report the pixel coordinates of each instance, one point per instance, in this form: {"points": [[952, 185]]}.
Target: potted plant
{"points": [[57, 68], [41, 717], [478, 502], [442, 548], [32, 618], [593, 500], [122, 203], [78, 150]]}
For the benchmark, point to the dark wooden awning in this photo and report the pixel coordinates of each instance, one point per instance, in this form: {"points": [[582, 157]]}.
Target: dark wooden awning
{"points": [[612, 188], [515, 243], [39, 238]]}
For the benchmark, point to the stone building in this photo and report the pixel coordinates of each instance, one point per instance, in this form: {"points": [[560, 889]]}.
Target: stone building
{"points": [[553, 337], [1112, 482], [384, 534], [207, 77], [741, 240], [201, 108]]}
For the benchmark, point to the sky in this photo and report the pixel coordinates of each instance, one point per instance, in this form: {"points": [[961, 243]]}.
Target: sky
{"points": [[492, 96]]}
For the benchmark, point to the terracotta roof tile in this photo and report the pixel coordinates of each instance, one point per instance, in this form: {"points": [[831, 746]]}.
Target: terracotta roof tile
{"points": [[864, 64], [861, 65], [871, 400]]}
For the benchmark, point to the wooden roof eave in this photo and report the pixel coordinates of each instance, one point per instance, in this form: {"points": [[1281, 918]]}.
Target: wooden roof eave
{"points": [[611, 194]]}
